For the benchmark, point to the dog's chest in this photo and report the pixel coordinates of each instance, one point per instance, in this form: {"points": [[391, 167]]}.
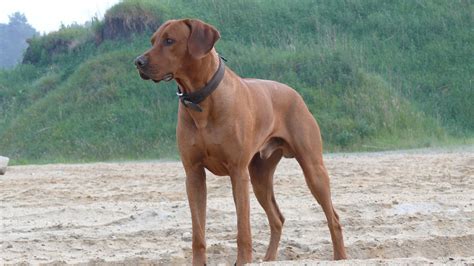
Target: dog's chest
{"points": [[214, 158], [216, 165], [217, 150]]}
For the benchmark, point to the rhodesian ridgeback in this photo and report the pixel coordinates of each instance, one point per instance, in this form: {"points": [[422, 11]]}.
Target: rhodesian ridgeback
{"points": [[235, 127]]}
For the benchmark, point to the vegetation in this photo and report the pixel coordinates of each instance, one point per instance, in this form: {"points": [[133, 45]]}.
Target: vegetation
{"points": [[376, 74]]}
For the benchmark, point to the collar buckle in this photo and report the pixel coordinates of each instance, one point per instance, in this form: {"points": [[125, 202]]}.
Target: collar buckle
{"points": [[193, 99]]}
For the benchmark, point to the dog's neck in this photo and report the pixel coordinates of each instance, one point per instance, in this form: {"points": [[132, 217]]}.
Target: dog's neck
{"points": [[195, 74]]}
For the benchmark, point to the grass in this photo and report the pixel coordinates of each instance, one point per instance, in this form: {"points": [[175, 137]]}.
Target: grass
{"points": [[374, 75]]}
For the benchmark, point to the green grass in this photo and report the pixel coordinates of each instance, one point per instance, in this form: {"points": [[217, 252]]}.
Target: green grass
{"points": [[377, 75]]}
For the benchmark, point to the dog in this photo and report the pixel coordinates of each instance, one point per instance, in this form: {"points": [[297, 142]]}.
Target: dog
{"points": [[235, 127]]}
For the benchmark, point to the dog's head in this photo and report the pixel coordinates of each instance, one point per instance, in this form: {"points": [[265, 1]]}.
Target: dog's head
{"points": [[174, 44]]}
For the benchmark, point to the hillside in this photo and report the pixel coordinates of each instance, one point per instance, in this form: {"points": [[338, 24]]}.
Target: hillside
{"points": [[376, 74]]}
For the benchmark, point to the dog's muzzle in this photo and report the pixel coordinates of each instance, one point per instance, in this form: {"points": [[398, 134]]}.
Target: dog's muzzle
{"points": [[141, 63]]}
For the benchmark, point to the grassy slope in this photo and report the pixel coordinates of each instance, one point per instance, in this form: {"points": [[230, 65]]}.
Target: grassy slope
{"points": [[376, 74]]}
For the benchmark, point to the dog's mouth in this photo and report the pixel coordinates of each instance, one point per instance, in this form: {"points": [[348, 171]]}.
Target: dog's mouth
{"points": [[166, 78]]}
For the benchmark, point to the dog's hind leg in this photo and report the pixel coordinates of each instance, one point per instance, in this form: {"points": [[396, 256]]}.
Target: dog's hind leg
{"points": [[261, 175], [317, 179], [304, 141]]}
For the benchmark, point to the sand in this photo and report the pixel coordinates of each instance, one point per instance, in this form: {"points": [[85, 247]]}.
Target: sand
{"points": [[403, 207]]}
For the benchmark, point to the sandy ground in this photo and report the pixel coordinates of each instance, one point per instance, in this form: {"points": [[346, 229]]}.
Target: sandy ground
{"points": [[403, 207]]}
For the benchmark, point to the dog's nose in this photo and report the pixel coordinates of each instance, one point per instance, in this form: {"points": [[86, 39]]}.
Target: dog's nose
{"points": [[141, 61]]}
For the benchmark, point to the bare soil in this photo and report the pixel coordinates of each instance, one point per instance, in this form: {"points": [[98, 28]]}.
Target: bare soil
{"points": [[396, 207]]}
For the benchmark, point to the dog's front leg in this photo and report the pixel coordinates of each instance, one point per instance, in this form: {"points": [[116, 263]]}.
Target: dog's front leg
{"points": [[196, 190], [240, 188]]}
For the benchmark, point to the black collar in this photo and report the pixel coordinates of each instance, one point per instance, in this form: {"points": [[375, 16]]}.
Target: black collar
{"points": [[193, 99]]}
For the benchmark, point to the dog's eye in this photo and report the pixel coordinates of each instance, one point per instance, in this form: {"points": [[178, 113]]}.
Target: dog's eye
{"points": [[168, 41]]}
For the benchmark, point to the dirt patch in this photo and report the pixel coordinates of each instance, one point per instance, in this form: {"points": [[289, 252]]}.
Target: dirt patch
{"points": [[400, 207]]}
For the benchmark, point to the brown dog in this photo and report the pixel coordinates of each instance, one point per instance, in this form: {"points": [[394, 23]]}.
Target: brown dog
{"points": [[235, 127]]}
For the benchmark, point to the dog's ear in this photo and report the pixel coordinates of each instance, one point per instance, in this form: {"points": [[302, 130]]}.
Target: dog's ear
{"points": [[202, 37]]}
